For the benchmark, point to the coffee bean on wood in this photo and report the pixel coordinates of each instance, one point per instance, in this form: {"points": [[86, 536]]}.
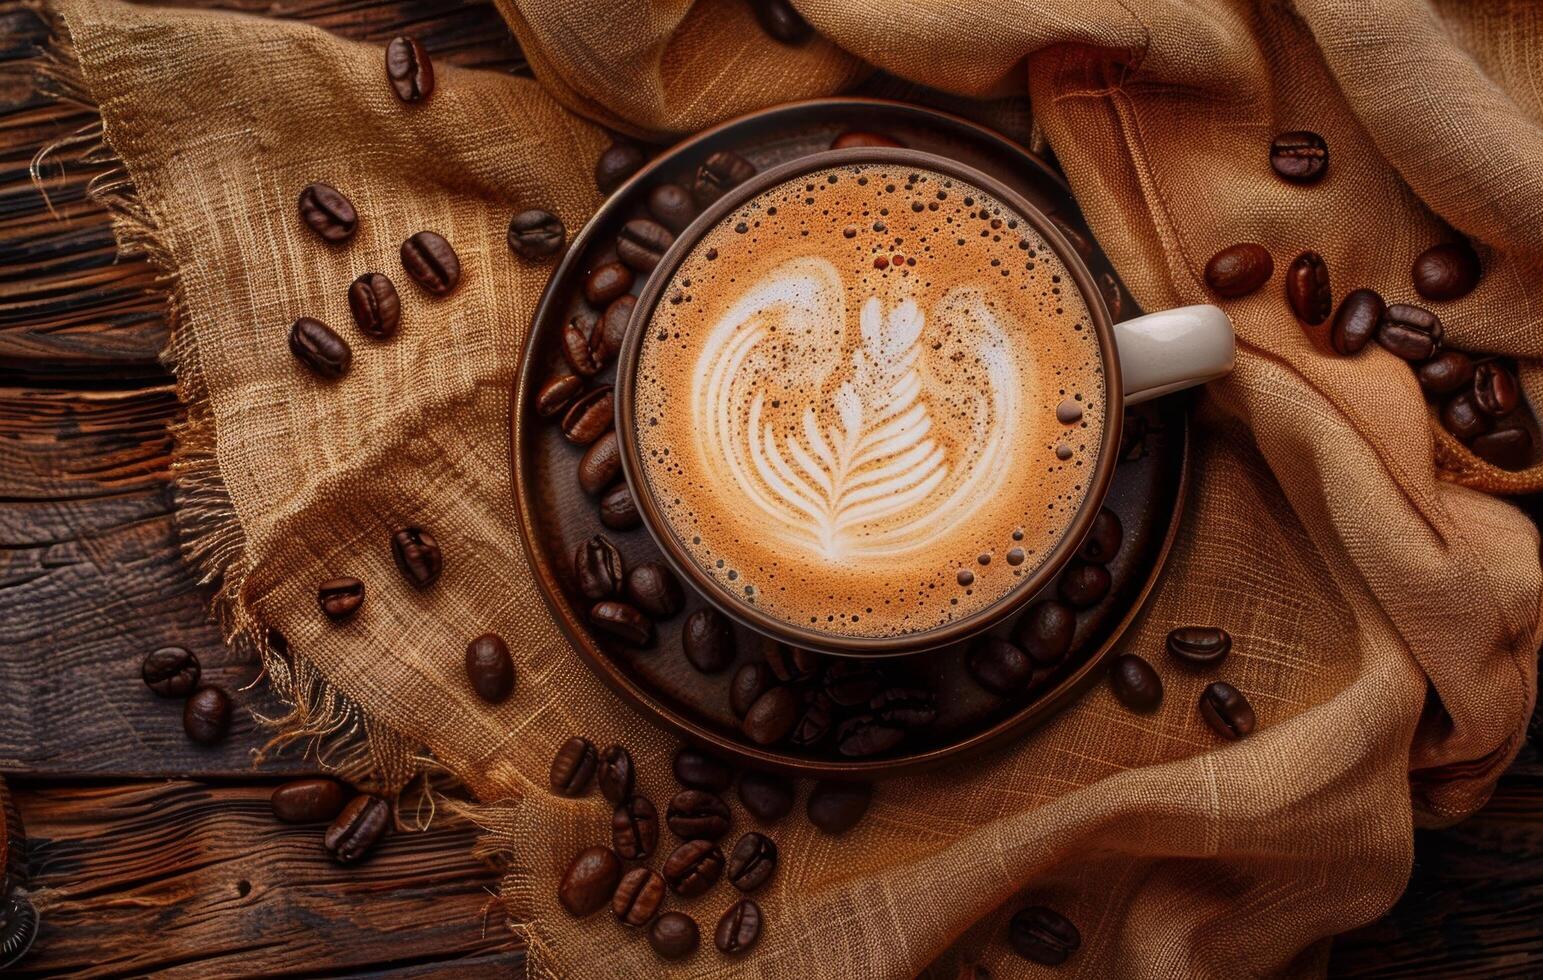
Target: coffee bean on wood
{"points": [[638, 897], [598, 568], [590, 881], [654, 589], [1411, 332], [708, 640], [600, 465], [739, 928], [674, 935], [719, 174], [409, 69], [1135, 683], [171, 672], [837, 807], [693, 868], [1199, 646], [536, 234], [1043, 935], [431, 262], [1238, 270], [1307, 288], [590, 416], [375, 305], [1446, 372], [355, 832], [417, 555], [573, 767], [307, 800], [623, 621], [1356, 321], [615, 773], [695, 813], [319, 348], [490, 668], [1227, 711], [1446, 272], [340, 598], [327, 212], [206, 715], [606, 282], [1301, 156], [767, 796], [635, 828], [619, 161]]}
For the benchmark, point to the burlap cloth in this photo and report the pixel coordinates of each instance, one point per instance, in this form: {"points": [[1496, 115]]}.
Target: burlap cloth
{"points": [[1386, 618]]}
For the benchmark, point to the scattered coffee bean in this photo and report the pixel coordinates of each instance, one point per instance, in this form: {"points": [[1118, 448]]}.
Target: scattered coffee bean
{"points": [[708, 640], [590, 881], [693, 868], [573, 767], [598, 568], [316, 346], [1238, 270], [638, 897], [1043, 935], [719, 174], [340, 598], [590, 416], [672, 205], [1462, 417], [1307, 288], [600, 466], [752, 862], [606, 282], [409, 69], [1300, 157], [1226, 710], [674, 935], [780, 21], [1104, 537], [1084, 584], [852, 138], [431, 262], [556, 392], [747, 685], [417, 556], [615, 773], [1199, 646], [171, 672], [1495, 390], [815, 722], [362, 824], [907, 707], [307, 800], [327, 212], [642, 243], [1446, 372], [1135, 683], [620, 161], [697, 814], [791, 665], [863, 735], [1509, 447], [1074, 237], [739, 928], [772, 716], [375, 305], [1113, 295], [635, 828], [490, 668], [622, 621], [576, 346], [1411, 332], [700, 770], [613, 327], [1355, 323], [849, 682], [836, 808], [1446, 271], [1000, 667], [206, 715], [536, 234], [767, 796], [655, 589], [617, 509]]}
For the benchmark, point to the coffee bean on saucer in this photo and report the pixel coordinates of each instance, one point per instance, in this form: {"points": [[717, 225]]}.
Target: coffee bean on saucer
{"points": [[814, 722], [409, 69], [772, 716], [598, 568], [340, 598], [672, 206], [1226, 710], [622, 621], [1445, 373], [693, 868], [1495, 390], [1508, 447], [1355, 322], [701, 770], [655, 589], [206, 715], [417, 556], [606, 282], [767, 796], [576, 346], [319, 348], [590, 416], [907, 707], [1084, 584], [642, 243], [1307, 288], [791, 665], [708, 640], [1043, 935], [638, 897], [1074, 237], [849, 682], [573, 767], [718, 174], [1114, 297], [600, 466], [536, 234], [619, 161], [635, 828], [1301, 157], [697, 814], [171, 672], [1000, 667], [1199, 646], [780, 21], [375, 305], [747, 685], [615, 773], [328, 213], [364, 822], [1238, 270], [1135, 683], [1462, 417], [836, 808], [1411, 332], [866, 734], [613, 327], [490, 668], [1104, 537], [1446, 271], [431, 262], [674, 935], [307, 800], [590, 881], [752, 862], [617, 509], [556, 392]]}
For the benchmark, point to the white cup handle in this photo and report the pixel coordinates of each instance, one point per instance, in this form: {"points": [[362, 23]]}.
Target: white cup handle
{"points": [[1172, 350]]}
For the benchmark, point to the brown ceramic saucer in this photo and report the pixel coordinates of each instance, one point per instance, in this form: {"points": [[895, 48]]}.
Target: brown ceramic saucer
{"points": [[555, 515]]}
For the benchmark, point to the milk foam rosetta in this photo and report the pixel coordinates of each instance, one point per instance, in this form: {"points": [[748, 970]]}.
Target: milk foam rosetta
{"points": [[846, 405]]}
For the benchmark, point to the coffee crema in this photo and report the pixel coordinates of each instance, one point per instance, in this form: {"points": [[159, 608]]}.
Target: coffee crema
{"points": [[870, 401]]}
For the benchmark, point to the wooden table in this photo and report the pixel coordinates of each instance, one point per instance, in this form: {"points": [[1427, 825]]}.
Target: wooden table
{"points": [[148, 853]]}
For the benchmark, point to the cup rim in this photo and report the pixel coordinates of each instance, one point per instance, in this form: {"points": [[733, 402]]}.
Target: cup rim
{"points": [[779, 629]]}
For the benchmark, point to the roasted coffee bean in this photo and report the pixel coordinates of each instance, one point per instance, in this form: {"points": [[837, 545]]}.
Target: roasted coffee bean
{"points": [[1114, 297], [1355, 322], [752, 862], [701, 770], [362, 824], [767, 796], [619, 161], [1446, 372], [617, 509], [556, 392], [780, 21], [739, 928], [749, 682], [836, 808], [431, 262], [171, 672], [340, 598], [655, 590], [1446, 271], [1509, 447], [638, 897], [1074, 237], [635, 828], [590, 416], [908, 707], [972, 971], [697, 814], [1226, 710], [622, 621], [613, 327], [1462, 417], [1084, 584], [536, 234], [718, 174], [1043, 935], [409, 69], [641, 243], [1045, 632], [814, 722], [327, 212], [1135, 683], [791, 665], [576, 346], [600, 466], [708, 640], [316, 346], [590, 881], [1238, 270], [1104, 537], [206, 715], [1307, 288], [1000, 667], [598, 568], [1300, 157], [693, 868], [772, 716], [375, 305], [864, 735], [1199, 646], [672, 205], [853, 137], [849, 682], [1495, 390], [417, 556], [606, 282], [490, 668], [615, 773], [573, 767], [1411, 332], [307, 800], [674, 935]]}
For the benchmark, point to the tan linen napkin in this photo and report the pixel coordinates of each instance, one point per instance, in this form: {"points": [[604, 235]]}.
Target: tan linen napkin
{"points": [[1385, 619]]}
